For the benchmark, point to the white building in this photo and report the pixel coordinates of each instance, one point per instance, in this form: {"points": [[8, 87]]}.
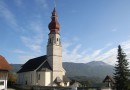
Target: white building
{"points": [[46, 70], [4, 68]]}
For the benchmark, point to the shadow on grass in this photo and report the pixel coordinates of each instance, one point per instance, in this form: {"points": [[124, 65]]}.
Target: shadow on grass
{"points": [[18, 88]]}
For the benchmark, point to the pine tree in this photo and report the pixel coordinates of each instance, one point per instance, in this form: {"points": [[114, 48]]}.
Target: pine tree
{"points": [[122, 71]]}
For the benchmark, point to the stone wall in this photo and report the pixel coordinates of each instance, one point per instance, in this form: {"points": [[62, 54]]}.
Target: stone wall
{"points": [[59, 88], [89, 88], [50, 88], [68, 88], [93, 88]]}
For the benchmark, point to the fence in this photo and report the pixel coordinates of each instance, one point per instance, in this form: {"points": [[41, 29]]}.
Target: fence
{"points": [[50, 88], [94, 88], [68, 88], [59, 88]]}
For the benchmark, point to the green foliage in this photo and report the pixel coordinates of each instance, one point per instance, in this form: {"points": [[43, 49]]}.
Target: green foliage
{"points": [[85, 83], [88, 81], [122, 72], [11, 78], [128, 85]]}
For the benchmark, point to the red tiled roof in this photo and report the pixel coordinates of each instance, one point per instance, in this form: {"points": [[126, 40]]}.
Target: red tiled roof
{"points": [[4, 65]]}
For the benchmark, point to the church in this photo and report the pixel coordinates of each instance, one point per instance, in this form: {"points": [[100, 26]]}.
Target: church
{"points": [[46, 70]]}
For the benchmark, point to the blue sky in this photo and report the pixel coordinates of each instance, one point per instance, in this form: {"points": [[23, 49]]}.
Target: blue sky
{"points": [[90, 30]]}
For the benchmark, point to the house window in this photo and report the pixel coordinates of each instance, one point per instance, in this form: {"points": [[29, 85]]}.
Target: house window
{"points": [[1, 83], [57, 39], [39, 77], [31, 78]]}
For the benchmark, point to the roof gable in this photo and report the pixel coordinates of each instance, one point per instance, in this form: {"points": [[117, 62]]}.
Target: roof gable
{"points": [[66, 79], [32, 64], [109, 79], [45, 67], [4, 65]]}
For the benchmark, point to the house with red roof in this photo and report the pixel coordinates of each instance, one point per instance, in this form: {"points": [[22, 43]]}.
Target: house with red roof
{"points": [[4, 69]]}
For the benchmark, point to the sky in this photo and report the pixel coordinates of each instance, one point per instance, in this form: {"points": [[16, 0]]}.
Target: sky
{"points": [[90, 30]]}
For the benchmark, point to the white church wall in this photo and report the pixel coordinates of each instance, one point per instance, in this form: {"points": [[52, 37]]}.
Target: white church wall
{"points": [[26, 78], [41, 78], [47, 78], [57, 50], [57, 74], [44, 78], [63, 71], [19, 78], [57, 63]]}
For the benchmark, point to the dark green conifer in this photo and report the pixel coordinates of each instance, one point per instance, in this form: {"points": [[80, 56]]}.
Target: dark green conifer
{"points": [[122, 71]]}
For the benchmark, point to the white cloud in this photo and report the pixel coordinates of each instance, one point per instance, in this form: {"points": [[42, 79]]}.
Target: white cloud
{"points": [[18, 51], [126, 44], [107, 56], [24, 58], [126, 47], [8, 15], [34, 41], [128, 36], [75, 50], [104, 54], [74, 55], [76, 39], [96, 53], [109, 44]]}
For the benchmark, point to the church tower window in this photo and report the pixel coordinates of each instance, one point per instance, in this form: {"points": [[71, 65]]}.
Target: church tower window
{"points": [[50, 40]]}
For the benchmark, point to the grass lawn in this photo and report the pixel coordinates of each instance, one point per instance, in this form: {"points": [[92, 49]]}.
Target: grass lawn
{"points": [[14, 88]]}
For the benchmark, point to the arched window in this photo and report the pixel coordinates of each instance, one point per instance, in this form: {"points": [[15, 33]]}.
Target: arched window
{"points": [[50, 40], [39, 77]]}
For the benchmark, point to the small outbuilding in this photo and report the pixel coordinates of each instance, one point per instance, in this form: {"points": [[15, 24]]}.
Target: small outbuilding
{"points": [[4, 69], [109, 81]]}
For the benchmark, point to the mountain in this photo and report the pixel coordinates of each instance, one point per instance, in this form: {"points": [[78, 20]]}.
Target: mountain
{"points": [[92, 69], [16, 67], [97, 63]]}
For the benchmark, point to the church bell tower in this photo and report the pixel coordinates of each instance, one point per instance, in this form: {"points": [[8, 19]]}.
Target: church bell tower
{"points": [[54, 48]]}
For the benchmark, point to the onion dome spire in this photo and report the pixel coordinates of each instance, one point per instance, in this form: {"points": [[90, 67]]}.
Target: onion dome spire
{"points": [[54, 26]]}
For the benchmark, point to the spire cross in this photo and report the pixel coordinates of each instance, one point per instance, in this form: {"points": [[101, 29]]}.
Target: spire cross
{"points": [[54, 3]]}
